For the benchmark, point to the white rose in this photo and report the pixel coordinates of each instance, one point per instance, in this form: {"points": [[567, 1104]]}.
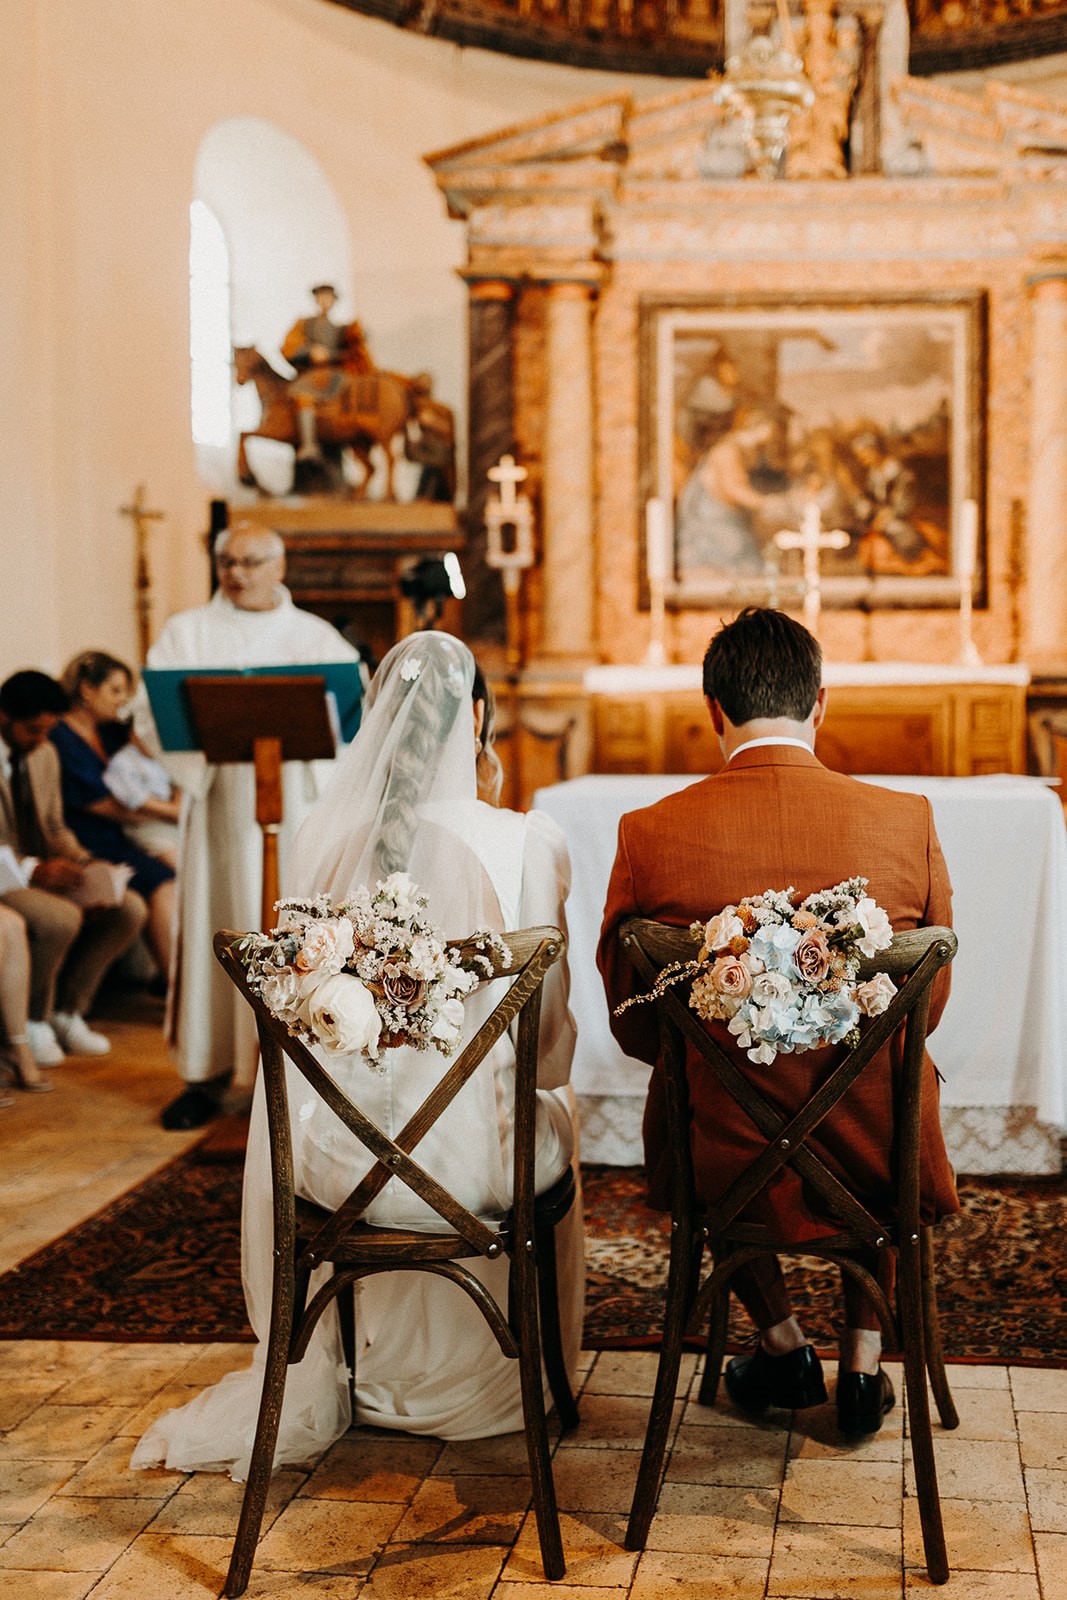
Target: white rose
{"points": [[877, 930], [771, 988], [448, 1024], [280, 992], [721, 929], [401, 888], [343, 1015], [874, 996]]}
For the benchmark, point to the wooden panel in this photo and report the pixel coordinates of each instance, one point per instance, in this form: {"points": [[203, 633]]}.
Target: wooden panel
{"points": [[690, 741], [923, 730]]}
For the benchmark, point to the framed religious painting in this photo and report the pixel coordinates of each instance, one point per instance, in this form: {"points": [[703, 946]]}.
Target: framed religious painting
{"points": [[757, 412]]}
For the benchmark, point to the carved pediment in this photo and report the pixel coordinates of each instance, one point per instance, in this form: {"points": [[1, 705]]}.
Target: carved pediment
{"points": [[1003, 132], [576, 149]]}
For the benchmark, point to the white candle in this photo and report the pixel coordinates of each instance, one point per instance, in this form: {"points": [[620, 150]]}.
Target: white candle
{"points": [[967, 541], [657, 541]]}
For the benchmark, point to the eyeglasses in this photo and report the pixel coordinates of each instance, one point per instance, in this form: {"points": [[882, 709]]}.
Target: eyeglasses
{"points": [[241, 563]]}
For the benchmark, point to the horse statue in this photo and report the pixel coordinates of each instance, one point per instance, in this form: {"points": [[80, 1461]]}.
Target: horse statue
{"points": [[367, 409]]}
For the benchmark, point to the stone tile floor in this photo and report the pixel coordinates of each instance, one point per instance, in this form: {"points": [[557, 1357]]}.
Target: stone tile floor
{"points": [[778, 1508]]}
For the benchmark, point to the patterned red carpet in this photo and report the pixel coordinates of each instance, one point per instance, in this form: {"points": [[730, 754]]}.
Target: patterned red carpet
{"points": [[163, 1263]]}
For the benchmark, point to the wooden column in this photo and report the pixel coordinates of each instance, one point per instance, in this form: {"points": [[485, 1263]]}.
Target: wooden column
{"points": [[568, 628], [491, 434], [1047, 515]]}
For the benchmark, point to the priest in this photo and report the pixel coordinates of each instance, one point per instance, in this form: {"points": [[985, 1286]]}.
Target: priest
{"points": [[250, 621]]}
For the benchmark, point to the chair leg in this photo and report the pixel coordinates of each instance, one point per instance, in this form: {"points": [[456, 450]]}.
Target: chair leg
{"points": [[524, 1290], [346, 1316], [910, 1294], [551, 1336], [935, 1354], [685, 1252], [261, 1464], [713, 1357]]}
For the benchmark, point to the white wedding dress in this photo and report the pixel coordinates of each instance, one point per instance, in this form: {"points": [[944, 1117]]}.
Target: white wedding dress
{"points": [[426, 1361]]}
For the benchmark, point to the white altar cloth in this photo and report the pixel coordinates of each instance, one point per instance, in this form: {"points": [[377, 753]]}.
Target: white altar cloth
{"points": [[1002, 1043]]}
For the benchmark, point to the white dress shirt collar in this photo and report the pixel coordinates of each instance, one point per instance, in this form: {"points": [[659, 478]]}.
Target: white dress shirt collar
{"points": [[772, 738]]}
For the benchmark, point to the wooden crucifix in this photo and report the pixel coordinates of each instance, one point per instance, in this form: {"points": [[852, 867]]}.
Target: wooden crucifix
{"points": [[141, 516], [810, 540]]}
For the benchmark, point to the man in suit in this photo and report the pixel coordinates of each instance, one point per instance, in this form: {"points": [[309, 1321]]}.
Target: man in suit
{"points": [[70, 948], [772, 818]]}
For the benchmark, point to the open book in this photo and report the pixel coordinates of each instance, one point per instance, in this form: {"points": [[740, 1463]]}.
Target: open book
{"points": [[13, 874], [103, 884]]}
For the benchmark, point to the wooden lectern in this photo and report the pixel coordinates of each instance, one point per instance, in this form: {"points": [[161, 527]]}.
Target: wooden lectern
{"points": [[264, 720]]}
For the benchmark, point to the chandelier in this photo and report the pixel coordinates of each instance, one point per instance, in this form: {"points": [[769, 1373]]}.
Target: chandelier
{"points": [[763, 87]]}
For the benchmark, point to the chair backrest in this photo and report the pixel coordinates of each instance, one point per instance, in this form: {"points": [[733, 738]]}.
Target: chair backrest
{"points": [[913, 961], [532, 951]]}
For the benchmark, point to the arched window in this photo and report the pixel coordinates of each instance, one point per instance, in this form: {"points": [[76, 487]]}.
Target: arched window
{"points": [[265, 208], [209, 328]]}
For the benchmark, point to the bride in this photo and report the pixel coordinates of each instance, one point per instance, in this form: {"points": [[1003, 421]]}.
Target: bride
{"points": [[409, 794]]}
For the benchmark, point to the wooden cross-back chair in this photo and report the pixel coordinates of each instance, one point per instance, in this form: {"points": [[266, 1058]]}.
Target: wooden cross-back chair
{"points": [[306, 1236], [913, 962]]}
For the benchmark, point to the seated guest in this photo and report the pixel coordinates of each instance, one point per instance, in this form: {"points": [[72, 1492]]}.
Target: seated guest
{"points": [[772, 818], [405, 799], [71, 947], [88, 737], [16, 1057]]}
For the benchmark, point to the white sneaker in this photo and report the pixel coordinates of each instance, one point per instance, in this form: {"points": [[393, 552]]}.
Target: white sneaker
{"points": [[76, 1036], [45, 1048]]}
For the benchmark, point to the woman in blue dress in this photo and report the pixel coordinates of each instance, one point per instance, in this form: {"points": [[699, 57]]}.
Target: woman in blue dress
{"points": [[87, 738]]}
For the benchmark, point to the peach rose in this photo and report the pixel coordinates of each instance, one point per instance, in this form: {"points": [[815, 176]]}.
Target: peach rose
{"points": [[731, 977], [326, 946], [874, 996], [812, 956]]}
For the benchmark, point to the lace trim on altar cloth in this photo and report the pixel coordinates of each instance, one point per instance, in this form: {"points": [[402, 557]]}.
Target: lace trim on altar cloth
{"points": [[981, 1140]]}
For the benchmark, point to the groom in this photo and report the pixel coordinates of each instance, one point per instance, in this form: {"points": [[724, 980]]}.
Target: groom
{"points": [[775, 818]]}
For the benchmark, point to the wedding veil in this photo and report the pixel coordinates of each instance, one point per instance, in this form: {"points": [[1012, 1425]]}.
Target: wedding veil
{"points": [[409, 771]]}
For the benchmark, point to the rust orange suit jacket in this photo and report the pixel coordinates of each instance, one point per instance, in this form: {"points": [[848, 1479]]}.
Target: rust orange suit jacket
{"points": [[775, 817]]}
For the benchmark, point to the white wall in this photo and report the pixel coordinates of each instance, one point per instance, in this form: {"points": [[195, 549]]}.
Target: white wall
{"points": [[103, 108]]}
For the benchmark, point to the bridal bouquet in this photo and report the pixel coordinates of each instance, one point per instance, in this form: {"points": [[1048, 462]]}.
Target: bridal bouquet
{"points": [[368, 974], [784, 978]]}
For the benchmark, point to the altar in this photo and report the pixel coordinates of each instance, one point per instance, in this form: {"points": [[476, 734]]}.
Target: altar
{"points": [[881, 716], [1002, 1043]]}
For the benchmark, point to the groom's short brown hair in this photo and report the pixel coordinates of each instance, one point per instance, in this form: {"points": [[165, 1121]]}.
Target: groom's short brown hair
{"points": [[763, 664]]}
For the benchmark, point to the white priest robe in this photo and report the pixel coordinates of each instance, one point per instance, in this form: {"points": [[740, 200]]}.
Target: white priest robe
{"points": [[220, 852]]}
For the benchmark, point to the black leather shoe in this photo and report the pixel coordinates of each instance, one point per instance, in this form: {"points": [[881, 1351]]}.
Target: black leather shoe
{"points": [[792, 1381], [863, 1398], [193, 1107]]}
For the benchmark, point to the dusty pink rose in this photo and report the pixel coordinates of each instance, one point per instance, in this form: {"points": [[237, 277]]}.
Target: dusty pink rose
{"points": [[401, 986], [874, 996], [731, 977], [812, 956]]}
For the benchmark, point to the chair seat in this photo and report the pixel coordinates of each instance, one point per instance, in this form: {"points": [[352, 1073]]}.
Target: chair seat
{"points": [[366, 1237]]}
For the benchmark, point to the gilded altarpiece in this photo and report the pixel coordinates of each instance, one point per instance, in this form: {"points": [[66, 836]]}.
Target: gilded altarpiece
{"points": [[579, 223]]}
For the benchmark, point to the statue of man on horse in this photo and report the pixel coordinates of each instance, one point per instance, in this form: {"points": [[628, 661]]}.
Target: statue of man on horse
{"points": [[322, 351], [340, 401]]}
